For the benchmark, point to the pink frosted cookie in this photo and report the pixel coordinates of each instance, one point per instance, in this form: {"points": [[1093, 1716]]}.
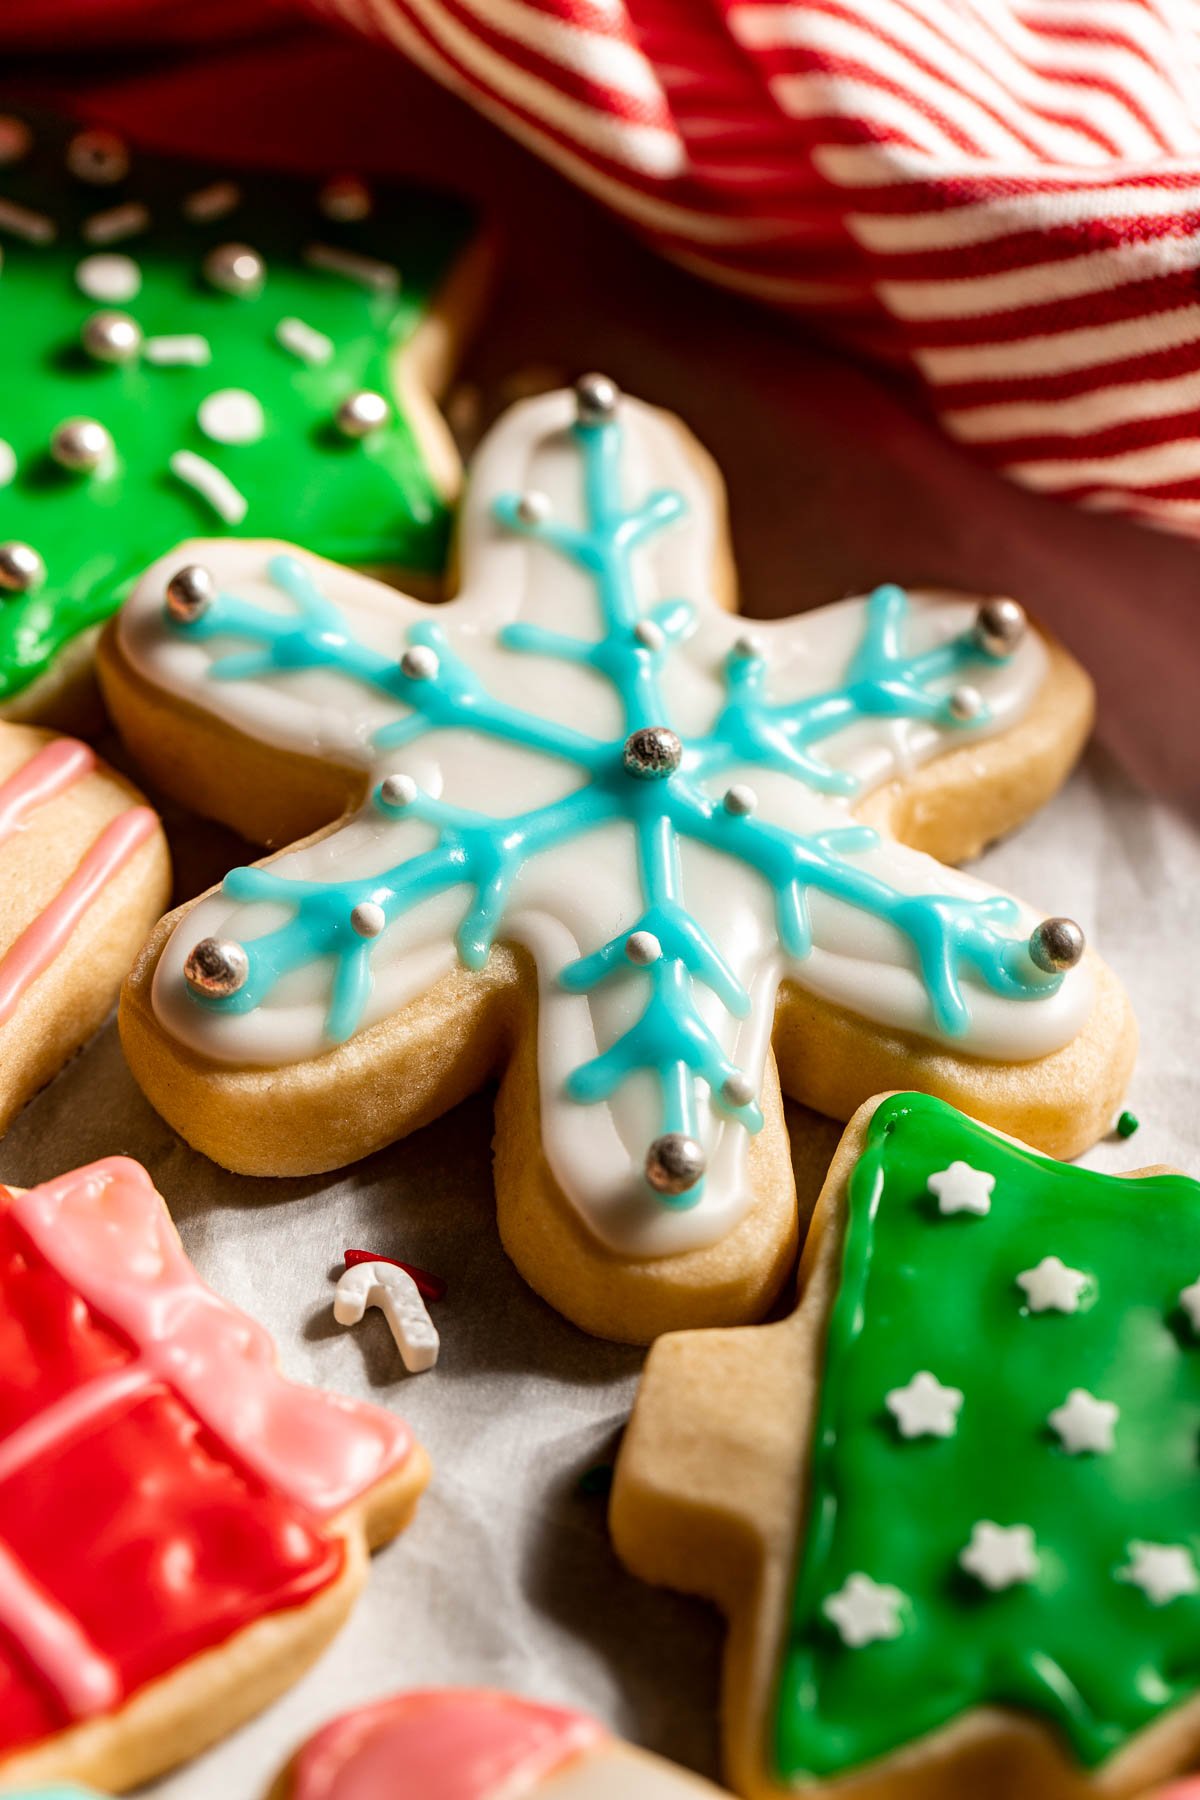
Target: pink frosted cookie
{"points": [[476, 1744]]}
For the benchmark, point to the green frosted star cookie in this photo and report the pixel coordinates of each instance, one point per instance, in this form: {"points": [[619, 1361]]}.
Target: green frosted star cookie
{"points": [[187, 351], [952, 1505]]}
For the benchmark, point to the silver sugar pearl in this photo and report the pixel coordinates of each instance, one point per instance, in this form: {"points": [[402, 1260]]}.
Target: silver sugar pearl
{"points": [[1056, 945], [235, 269], [190, 592], [361, 413], [419, 663], [596, 399], [966, 703], [652, 753], [112, 337], [345, 199], [81, 445], [398, 790], [534, 508], [98, 157], [21, 568], [674, 1163], [368, 918], [737, 1089], [1000, 624], [740, 800], [216, 968], [642, 948], [649, 635]]}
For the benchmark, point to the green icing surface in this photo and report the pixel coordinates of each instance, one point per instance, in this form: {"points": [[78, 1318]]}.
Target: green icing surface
{"points": [[363, 502], [1090, 1653]]}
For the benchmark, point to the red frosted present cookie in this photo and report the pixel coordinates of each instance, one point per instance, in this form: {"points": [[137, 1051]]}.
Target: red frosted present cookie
{"points": [[181, 1529], [475, 1744]]}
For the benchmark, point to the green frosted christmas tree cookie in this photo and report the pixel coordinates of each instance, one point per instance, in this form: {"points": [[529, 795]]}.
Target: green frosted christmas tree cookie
{"points": [[952, 1505], [196, 352]]}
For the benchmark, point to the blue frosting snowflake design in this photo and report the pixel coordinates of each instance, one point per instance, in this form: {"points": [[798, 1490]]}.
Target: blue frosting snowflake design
{"points": [[656, 782]]}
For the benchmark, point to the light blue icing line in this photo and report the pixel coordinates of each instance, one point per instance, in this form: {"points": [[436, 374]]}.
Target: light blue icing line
{"points": [[485, 855]]}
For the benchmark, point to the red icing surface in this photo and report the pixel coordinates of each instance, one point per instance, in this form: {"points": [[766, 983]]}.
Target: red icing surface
{"points": [[132, 1536], [442, 1744]]}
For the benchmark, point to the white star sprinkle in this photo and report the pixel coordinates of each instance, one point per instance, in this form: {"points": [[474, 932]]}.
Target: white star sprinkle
{"points": [[1052, 1286], [960, 1188], [864, 1610], [925, 1408], [1085, 1423], [1162, 1571], [1189, 1299], [1000, 1555]]}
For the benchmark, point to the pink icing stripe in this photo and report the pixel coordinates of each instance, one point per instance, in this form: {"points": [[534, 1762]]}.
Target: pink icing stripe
{"points": [[85, 1682], [41, 942], [55, 768], [442, 1744], [106, 1231], [75, 1412]]}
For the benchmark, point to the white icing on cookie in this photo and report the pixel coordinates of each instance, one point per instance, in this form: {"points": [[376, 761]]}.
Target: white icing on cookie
{"points": [[575, 896]]}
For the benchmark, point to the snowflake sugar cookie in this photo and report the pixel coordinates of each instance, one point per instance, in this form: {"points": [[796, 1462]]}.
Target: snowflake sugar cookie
{"points": [[1010, 1607], [188, 350], [610, 835]]}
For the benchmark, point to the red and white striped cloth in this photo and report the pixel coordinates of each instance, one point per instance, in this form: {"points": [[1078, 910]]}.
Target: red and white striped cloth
{"points": [[1004, 195]]}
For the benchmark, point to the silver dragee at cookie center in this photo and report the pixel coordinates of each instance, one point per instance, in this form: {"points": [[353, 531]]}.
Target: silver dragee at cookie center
{"points": [[652, 753]]}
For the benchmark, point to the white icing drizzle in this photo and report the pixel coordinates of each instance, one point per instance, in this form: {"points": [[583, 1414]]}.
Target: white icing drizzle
{"points": [[576, 896], [367, 271], [211, 484], [305, 341], [210, 203], [117, 223], [8, 462], [231, 416], [110, 277], [22, 222], [187, 348]]}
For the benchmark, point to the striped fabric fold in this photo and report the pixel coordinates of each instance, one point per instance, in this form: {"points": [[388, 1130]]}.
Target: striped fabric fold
{"points": [[1002, 195]]}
